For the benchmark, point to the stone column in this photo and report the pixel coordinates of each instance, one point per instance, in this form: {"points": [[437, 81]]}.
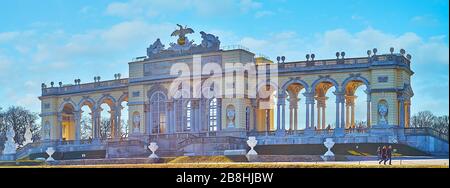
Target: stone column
{"points": [[194, 120], [296, 117], [307, 114], [278, 115], [291, 113], [267, 120], [112, 120], [283, 118], [255, 107], [342, 100], [408, 114], [96, 123], [402, 112], [368, 112], [60, 127], [119, 121], [323, 117], [347, 119], [338, 102], [219, 114], [318, 115], [309, 109], [312, 112], [77, 118]]}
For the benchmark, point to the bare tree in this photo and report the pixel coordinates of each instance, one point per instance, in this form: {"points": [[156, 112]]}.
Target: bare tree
{"points": [[124, 129], [20, 119], [423, 119], [86, 128], [105, 128]]}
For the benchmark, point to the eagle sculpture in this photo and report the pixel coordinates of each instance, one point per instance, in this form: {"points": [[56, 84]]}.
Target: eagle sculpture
{"points": [[181, 33]]}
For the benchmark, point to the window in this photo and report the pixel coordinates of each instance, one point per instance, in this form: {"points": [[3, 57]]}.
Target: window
{"points": [[213, 115], [247, 118], [188, 116], [158, 110]]}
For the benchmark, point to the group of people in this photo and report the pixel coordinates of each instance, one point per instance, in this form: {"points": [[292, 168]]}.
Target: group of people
{"points": [[356, 128], [384, 154]]}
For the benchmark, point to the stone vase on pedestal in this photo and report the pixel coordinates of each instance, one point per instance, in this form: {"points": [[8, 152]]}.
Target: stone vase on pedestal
{"points": [[329, 155], [50, 151], [153, 147], [252, 154]]}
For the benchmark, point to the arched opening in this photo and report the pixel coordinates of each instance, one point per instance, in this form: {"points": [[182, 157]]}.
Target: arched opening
{"points": [[158, 113], [294, 121], [68, 122], [86, 124], [212, 115], [105, 121], [357, 105], [323, 117], [124, 125]]}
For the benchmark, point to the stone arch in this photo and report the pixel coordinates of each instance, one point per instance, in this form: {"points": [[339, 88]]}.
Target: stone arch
{"points": [[157, 88], [65, 102], [265, 83], [107, 97], [356, 78], [123, 97], [87, 101], [296, 80], [324, 79]]}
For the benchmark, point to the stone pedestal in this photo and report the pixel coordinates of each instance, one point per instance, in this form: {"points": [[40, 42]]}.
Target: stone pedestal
{"points": [[309, 132], [8, 157], [339, 132], [329, 155], [280, 133]]}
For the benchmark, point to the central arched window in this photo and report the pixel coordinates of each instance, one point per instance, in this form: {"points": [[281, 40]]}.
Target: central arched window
{"points": [[213, 115], [158, 110]]}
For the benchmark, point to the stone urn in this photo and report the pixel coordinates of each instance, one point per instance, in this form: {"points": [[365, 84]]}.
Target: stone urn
{"points": [[50, 151], [329, 144], [153, 147], [251, 142]]}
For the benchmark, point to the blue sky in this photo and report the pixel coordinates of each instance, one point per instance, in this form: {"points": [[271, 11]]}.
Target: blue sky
{"points": [[60, 40]]}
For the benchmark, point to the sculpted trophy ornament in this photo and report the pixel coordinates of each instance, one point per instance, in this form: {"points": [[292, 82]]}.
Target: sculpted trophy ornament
{"points": [[181, 33], [230, 115], [183, 45], [155, 48], [136, 123], [382, 111]]}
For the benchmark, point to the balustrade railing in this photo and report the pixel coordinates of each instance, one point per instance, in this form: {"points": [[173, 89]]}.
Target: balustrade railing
{"points": [[426, 131], [349, 61], [84, 87]]}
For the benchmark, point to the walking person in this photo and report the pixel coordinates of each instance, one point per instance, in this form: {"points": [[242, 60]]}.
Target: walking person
{"points": [[389, 155], [383, 155], [379, 153]]}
